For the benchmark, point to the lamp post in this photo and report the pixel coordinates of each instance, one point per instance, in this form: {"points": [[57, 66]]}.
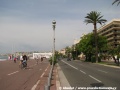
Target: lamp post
{"points": [[53, 24]]}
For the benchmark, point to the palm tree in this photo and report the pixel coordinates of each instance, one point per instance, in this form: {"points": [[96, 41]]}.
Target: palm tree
{"points": [[116, 2], [95, 17]]}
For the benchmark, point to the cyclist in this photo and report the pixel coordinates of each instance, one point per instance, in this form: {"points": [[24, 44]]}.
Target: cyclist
{"points": [[25, 59]]}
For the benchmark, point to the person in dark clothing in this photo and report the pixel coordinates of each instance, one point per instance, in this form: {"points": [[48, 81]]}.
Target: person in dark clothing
{"points": [[25, 59]]}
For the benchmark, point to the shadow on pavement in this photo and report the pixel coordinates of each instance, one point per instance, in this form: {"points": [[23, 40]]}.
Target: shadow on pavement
{"points": [[97, 84]]}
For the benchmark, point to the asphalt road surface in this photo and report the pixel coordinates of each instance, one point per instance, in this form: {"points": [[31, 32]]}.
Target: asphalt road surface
{"points": [[89, 76], [14, 78]]}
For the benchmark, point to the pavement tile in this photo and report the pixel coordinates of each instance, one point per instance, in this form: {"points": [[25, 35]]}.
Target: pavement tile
{"points": [[53, 80], [44, 79]]}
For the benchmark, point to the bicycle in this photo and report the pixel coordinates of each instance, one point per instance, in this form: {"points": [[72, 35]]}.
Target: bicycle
{"points": [[23, 64]]}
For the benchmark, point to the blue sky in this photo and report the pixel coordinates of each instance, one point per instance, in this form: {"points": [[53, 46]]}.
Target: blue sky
{"points": [[26, 25]]}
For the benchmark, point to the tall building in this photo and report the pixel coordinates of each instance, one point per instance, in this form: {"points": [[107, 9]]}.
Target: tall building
{"points": [[62, 51], [76, 41], [112, 32]]}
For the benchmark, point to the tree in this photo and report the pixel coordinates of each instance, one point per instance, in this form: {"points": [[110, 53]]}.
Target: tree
{"points": [[112, 51], [118, 49], [87, 46], [116, 1], [67, 50], [75, 51], [95, 17]]}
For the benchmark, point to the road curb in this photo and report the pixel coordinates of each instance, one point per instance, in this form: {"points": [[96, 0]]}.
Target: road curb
{"points": [[104, 65], [61, 81], [108, 65], [57, 78]]}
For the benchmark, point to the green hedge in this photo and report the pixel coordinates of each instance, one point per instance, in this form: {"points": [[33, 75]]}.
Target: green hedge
{"points": [[93, 59], [55, 61]]}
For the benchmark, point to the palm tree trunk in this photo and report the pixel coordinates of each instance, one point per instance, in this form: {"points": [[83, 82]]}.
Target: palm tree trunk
{"points": [[96, 44]]}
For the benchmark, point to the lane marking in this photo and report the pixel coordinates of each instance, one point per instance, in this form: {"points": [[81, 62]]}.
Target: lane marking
{"points": [[44, 71], [102, 71], [34, 87], [42, 74], [46, 68], [94, 78], [83, 72], [70, 65], [13, 72]]}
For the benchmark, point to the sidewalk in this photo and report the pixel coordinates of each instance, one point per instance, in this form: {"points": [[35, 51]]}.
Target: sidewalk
{"points": [[53, 80], [44, 79], [58, 79], [107, 63]]}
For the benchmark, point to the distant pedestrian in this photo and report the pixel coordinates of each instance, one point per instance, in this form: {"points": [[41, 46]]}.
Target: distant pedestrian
{"points": [[15, 59], [9, 57], [21, 59], [41, 59]]}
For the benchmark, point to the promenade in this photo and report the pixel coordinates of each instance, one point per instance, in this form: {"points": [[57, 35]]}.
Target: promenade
{"points": [[34, 77]]}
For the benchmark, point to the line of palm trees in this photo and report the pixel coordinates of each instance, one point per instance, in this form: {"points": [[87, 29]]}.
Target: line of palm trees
{"points": [[95, 17]]}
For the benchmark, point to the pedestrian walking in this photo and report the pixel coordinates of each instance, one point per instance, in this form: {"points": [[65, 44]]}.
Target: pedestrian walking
{"points": [[15, 59], [21, 60]]}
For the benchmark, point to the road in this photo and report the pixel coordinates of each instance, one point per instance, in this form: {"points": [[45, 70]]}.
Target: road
{"points": [[14, 78], [83, 75]]}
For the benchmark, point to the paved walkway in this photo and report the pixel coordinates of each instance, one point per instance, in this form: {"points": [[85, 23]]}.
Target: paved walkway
{"points": [[44, 79]]}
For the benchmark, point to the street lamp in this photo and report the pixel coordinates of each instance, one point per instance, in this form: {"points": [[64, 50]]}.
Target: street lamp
{"points": [[53, 24]]}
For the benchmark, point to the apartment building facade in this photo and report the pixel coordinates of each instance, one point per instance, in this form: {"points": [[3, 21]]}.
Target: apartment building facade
{"points": [[112, 32]]}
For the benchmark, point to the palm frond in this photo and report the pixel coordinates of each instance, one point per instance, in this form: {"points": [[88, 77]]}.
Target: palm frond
{"points": [[116, 2], [94, 17], [88, 21]]}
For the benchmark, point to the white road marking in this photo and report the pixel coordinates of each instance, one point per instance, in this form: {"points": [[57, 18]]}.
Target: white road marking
{"points": [[95, 78], [42, 74], [102, 71], [70, 65], [46, 69], [34, 87], [82, 71], [13, 72]]}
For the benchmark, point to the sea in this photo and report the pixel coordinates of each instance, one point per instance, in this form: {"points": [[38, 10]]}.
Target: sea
{"points": [[3, 58]]}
